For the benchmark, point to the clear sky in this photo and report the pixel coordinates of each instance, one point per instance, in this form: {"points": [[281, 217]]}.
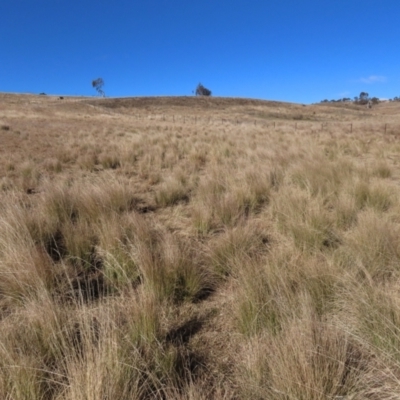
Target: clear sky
{"points": [[289, 50]]}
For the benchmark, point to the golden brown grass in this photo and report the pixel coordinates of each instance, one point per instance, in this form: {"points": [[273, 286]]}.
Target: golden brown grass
{"points": [[187, 248]]}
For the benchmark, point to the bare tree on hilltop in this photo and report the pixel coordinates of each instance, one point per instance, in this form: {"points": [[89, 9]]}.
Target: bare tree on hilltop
{"points": [[98, 85], [202, 91]]}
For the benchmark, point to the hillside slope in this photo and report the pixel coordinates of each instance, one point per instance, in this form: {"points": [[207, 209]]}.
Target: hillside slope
{"points": [[198, 248]]}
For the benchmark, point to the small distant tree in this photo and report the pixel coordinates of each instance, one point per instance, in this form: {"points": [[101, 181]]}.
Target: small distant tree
{"points": [[363, 98], [375, 100], [202, 91], [98, 85]]}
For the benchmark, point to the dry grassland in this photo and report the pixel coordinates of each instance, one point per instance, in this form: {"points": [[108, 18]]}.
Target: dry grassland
{"points": [[189, 248]]}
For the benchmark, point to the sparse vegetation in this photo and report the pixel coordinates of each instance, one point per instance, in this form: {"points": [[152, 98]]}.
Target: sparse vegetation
{"points": [[362, 99], [191, 254]]}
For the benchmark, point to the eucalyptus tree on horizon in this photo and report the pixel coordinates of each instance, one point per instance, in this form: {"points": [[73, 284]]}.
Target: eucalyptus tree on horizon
{"points": [[98, 85]]}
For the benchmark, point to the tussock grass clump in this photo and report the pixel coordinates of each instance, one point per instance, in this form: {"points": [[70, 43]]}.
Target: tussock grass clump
{"points": [[263, 300], [198, 157], [322, 177], [52, 165], [89, 160], [308, 359], [66, 203], [168, 267], [222, 202], [236, 245], [372, 248], [306, 220], [78, 241], [376, 310], [171, 192], [376, 196], [202, 218], [382, 170], [29, 177], [258, 187], [270, 291], [114, 247], [25, 269], [111, 161], [345, 211]]}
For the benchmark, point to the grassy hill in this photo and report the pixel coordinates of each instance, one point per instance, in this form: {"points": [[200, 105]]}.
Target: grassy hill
{"points": [[198, 248]]}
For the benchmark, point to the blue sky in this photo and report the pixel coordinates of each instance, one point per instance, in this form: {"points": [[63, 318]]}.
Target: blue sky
{"points": [[289, 50]]}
